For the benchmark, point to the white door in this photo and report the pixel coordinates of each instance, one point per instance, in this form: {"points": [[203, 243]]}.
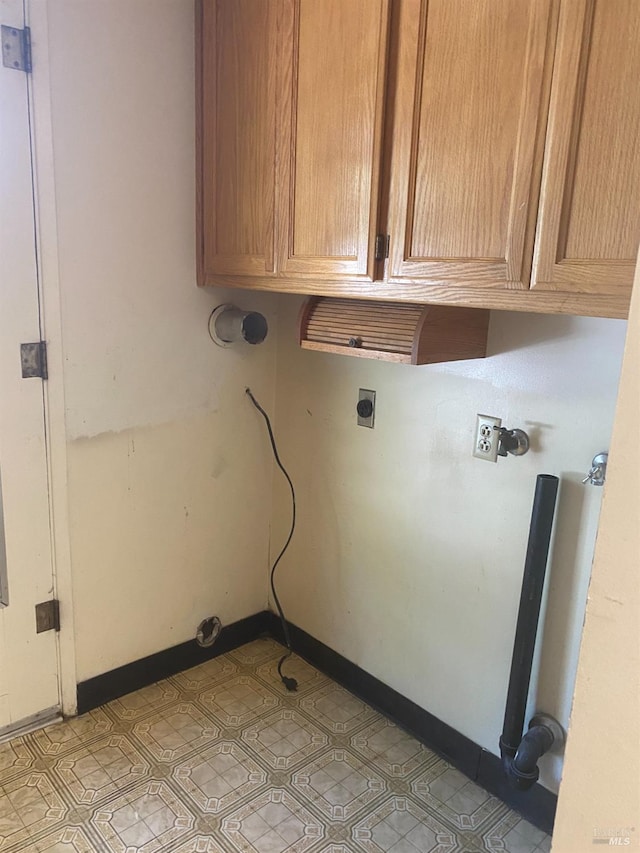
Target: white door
{"points": [[29, 683]]}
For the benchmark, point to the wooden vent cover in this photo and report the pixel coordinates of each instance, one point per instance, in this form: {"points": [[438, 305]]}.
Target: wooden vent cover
{"points": [[393, 331]]}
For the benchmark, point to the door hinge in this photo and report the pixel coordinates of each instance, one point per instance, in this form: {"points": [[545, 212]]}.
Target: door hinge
{"points": [[16, 48], [382, 247], [48, 616], [34, 360]]}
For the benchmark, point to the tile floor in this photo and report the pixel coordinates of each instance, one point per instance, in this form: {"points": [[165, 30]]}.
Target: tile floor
{"points": [[221, 759]]}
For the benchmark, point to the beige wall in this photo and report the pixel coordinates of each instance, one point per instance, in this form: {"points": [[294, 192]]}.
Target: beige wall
{"points": [[169, 473], [409, 553], [600, 790]]}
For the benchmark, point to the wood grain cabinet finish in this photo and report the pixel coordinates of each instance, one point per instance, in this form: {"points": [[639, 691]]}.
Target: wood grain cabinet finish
{"points": [[589, 225], [237, 54], [332, 110], [393, 331], [495, 141], [290, 110], [467, 114]]}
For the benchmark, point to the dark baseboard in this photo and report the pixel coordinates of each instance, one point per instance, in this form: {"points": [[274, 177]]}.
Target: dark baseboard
{"points": [[133, 676], [538, 805]]}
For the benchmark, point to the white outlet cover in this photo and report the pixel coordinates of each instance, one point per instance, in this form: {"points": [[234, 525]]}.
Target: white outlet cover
{"points": [[487, 437]]}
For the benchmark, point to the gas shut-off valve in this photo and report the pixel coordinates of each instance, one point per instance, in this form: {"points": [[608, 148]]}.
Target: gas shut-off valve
{"points": [[493, 440]]}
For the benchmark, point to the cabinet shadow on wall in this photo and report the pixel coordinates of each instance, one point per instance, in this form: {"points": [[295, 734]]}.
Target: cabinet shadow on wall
{"points": [[566, 592], [510, 331]]}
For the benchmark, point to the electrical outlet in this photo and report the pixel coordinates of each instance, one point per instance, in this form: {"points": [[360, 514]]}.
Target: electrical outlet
{"points": [[487, 437], [366, 407]]}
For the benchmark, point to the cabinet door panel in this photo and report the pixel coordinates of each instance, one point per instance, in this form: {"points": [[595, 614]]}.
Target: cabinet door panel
{"points": [[590, 204], [334, 85], [238, 57], [468, 118]]}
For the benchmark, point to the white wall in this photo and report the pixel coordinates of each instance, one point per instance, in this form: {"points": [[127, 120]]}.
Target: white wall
{"points": [[409, 553], [600, 790], [169, 470]]}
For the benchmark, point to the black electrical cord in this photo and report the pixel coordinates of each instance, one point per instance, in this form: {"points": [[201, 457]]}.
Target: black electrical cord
{"points": [[289, 683]]}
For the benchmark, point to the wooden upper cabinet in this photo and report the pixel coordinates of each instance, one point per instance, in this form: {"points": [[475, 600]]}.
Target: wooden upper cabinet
{"points": [[589, 226], [496, 143], [238, 48], [466, 131], [330, 150]]}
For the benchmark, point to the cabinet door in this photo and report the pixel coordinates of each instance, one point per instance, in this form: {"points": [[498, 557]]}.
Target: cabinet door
{"points": [[467, 127], [238, 49], [590, 202], [332, 142]]}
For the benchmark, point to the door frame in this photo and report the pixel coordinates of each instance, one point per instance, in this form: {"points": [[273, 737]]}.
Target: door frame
{"points": [[42, 164]]}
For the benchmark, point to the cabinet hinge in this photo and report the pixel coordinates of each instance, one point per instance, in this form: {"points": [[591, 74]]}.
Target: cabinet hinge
{"points": [[34, 360], [382, 247], [16, 48], [48, 616]]}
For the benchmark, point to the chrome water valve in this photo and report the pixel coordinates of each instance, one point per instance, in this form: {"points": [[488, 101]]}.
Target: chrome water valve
{"points": [[598, 472], [513, 441]]}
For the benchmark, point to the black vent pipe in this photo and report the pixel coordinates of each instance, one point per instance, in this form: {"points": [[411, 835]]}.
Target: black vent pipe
{"points": [[544, 503]]}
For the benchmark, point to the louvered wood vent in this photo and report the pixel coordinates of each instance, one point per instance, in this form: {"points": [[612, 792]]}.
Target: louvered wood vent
{"points": [[393, 331]]}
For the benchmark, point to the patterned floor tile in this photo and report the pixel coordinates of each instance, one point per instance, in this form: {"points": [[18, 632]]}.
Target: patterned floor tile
{"points": [[495, 836], [337, 709], [393, 750], [150, 699], [307, 677], [545, 845], [459, 801], [170, 735], [398, 825], [10, 823], [523, 838], [219, 776], [68, 735], [69, 839], [15, 759], [201, 677], [145, 820], [238, 701], [272, 823], [222, 759], [108, 766], [339, 784], [29, 806], [255, 653], [200, 844], [284, 739]]}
